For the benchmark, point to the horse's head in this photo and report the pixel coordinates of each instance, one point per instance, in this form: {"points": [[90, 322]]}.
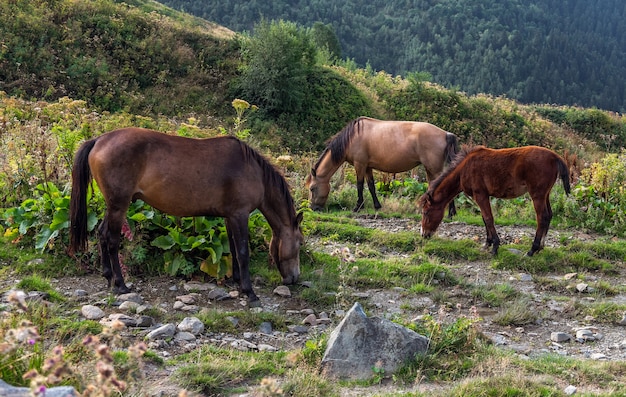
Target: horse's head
{"points": [[432, 215], [318, 190], [285, 251]]}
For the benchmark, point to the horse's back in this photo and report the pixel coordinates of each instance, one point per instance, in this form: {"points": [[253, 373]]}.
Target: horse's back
{"points": [[398, 146], [177, 175], [510, 172]]}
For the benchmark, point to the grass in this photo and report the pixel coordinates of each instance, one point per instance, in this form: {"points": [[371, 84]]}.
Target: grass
{"points": [[458, 359]]}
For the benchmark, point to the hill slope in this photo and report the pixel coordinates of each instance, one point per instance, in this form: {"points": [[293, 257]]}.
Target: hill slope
{"points": [[139, 57], [542, 51]]}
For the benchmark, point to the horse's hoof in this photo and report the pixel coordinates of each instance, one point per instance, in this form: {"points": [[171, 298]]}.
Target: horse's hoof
{"points": [[121, 289], [254, 303]]}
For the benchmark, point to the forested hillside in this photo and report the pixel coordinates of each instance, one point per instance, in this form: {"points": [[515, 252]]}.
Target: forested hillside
{"points": [[569, 52]]}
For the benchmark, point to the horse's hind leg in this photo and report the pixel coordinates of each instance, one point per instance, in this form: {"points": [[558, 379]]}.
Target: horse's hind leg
{"points": [[544, 216], [109, 242], [372, 188], [237, 229]]}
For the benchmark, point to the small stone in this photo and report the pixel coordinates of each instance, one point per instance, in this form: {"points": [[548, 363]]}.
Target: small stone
{"points": [[219, 294], [599, 356], [188, 299], [570, 390], [570, 276], [622, 321], [129, 306], [581, 287], [310, 320], [185, 337], [133, 297], [266, 328], [560, 337], [165, 331], [196, 286], [192, 325], [91, 312], [266, 348], [282, 290]]}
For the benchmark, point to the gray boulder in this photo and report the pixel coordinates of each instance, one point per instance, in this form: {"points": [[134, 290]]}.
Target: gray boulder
{"points": [[361, 347]]}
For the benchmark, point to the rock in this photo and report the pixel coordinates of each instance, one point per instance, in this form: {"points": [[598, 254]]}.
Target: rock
{"points": [[196, 286], [189, 299], [184, 337], [165, 331], [243, 345], [91, 312], [266, 328], [192, 325], [266, 348], [219, 294], [125, 319], [132, 297], [282, 290], [559, 337], [570, 276], [622, 321], [129, 306], [570, 390], [599, 356], [12, 391], [310, 320], [359, 344], [581, 287]]}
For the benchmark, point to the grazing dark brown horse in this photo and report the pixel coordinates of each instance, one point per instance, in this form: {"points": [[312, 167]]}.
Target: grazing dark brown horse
{"points": [[184, 177], [389, 146], [480, 172]]}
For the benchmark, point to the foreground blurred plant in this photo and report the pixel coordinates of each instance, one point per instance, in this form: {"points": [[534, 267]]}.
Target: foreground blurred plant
{"points": [[22, 357]]}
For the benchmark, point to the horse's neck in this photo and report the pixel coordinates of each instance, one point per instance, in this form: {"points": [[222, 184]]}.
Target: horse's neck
{"points": [[448, 188], [327, 168], [276, 212]]}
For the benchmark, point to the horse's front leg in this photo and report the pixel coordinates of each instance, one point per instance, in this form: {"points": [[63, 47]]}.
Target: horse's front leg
{"points": [[492, 236], [237, 229], [359, 190], [372, 188], [543, 211]]}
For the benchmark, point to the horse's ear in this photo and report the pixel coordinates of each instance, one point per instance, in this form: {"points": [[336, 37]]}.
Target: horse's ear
{"points": [[299, 217], [425, 199]]}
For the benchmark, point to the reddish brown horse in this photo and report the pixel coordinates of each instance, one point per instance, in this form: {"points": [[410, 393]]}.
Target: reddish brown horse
{"points": [[185, 177], [389, 146], [480, 172]]}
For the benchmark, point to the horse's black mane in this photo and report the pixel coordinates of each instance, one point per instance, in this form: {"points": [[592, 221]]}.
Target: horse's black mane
{"points": [[340, 141], [271, 177], [458, 159]]}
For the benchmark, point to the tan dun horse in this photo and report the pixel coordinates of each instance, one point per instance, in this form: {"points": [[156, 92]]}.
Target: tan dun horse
{"points": [[389, 146], [480, 172], [184, 177]]}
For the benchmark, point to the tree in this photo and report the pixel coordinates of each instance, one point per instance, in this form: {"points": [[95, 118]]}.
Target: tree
{"points": [[325, 38], [278, 57]]}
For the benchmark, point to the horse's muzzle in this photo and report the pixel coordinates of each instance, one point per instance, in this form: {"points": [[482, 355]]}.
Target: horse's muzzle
{"points": [[426, 233]]}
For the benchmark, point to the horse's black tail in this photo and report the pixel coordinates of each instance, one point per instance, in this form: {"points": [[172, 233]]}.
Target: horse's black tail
{"points": [[452, 147], [564, 174], [81, 176]]}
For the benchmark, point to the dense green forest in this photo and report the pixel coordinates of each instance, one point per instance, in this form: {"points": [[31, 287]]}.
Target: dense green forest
{"points": [[568, 52]]}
